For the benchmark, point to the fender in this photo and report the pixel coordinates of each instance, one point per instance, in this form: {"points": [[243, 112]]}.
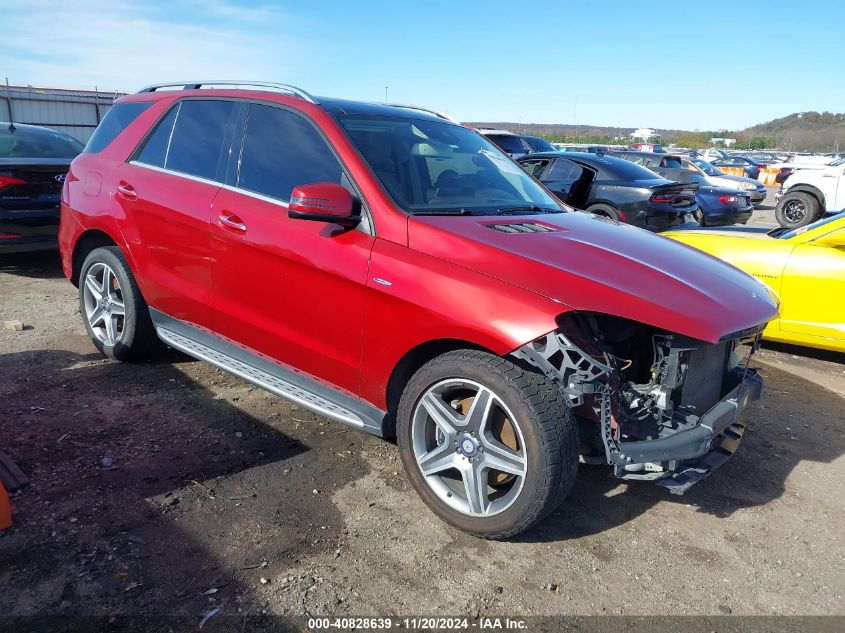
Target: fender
{"points": [[810, 189], [74, 227], [414, 298]]}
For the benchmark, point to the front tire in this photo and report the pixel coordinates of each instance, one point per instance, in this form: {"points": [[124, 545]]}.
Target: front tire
{"points": [[797, 209], [114, 312], [490, 447]]}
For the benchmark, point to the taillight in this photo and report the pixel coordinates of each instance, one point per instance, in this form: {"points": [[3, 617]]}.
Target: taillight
{"points": [[8, 181], [663, 197], [9, 236], [726, 199]]}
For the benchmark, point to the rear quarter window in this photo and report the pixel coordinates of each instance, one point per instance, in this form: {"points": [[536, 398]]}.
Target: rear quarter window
{"points": [[621, 169], [117, 119]]}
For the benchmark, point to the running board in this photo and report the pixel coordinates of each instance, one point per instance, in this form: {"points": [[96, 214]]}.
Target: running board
{"points": [[267, 374]]}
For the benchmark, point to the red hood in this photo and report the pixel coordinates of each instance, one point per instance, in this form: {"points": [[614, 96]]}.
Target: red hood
{"points": [[594, 264]]}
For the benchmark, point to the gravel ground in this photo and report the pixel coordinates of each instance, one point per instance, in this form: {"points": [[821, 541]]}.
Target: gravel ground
{"points": [[168, 487]]}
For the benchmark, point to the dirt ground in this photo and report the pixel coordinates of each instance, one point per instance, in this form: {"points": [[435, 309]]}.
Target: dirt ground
{"points": [[168, 487]]}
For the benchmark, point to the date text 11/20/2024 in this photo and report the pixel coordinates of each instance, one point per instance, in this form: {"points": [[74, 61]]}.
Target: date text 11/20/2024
{"points": [[420, 623]]}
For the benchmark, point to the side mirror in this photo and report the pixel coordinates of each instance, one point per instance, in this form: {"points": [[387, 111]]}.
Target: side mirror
{"points": [[323, 202]]}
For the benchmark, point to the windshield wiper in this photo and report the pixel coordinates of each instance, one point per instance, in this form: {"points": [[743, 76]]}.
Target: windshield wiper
{"points": [[525, 210]]}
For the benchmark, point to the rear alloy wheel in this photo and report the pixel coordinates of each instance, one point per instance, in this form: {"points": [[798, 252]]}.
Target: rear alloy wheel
{"points": [[490, 447], [797, 209], [606, 211], [115, 314]]}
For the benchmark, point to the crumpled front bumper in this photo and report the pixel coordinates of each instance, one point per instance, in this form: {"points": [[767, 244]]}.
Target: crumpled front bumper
{"points": [[702, 449]]}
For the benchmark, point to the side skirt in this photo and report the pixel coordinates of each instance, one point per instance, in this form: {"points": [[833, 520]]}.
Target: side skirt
{"points": [[263, 372]]}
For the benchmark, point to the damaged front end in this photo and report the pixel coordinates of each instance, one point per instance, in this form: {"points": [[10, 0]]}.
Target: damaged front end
{"points": [[653, 404]]}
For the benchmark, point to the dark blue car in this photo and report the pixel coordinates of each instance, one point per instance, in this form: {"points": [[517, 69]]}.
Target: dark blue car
{"points": [[717, 206]]}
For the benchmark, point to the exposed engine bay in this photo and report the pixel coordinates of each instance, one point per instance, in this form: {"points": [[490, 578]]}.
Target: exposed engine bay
{"points": [[648, 401]]}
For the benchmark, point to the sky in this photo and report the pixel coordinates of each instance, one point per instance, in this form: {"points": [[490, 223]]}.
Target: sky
{"points": [[663, 64]]}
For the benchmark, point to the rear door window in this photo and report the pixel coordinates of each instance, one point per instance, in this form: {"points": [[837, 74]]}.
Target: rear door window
{"points": [[282, 150], [192, 139], [535, 167], [118, 117], [563, 169]]}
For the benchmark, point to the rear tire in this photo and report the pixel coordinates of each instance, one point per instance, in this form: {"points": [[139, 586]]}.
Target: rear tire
{"points": [[527, 426], [115, 314], [797, 209], [605, 210]]}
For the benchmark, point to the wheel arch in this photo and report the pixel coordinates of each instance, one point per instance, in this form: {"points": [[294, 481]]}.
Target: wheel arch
{"points": [[87, 242], [808, 189], [408, 365], [602, 201]]}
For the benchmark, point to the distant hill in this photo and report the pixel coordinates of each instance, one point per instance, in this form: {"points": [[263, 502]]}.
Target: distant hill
{"points": [[813, 131], [801, 131]]}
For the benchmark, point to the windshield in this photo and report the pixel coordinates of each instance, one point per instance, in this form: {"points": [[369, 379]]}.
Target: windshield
{"points": [[429, 167], [511, 144], [25, 142], [790, 234], [538, 144], [707, 168]]}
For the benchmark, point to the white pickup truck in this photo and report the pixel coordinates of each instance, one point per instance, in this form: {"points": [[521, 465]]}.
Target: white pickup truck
{"points": [[808, 193]]}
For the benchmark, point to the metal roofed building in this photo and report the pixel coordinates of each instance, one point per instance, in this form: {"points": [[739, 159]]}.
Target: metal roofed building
{"points": [[74, 112]]}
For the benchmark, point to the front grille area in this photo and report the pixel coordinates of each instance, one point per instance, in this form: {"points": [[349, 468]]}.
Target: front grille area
{"points": [[705, 377]]}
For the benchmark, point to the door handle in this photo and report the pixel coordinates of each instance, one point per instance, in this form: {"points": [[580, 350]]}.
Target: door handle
{"points": [[232, 222], [127, 190]]}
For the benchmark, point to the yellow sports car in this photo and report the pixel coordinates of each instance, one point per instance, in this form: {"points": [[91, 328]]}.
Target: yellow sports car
{"points": [[805, 267]]}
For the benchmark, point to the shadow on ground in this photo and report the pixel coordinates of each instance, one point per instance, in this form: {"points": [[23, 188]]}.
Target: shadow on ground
{"points": [[149, 493], [40, 264]]}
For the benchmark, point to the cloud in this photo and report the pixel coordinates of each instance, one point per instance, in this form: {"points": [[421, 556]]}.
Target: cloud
{"points": [[120, 45]]}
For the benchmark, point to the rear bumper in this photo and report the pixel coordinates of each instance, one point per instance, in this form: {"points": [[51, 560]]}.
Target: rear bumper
{"points": [[35, 232], [720, 217], [700, 450]]}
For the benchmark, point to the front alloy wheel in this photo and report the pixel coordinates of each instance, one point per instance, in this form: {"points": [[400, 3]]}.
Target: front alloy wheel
{"points": [[797, 209], [469, 447], [490, 447]]}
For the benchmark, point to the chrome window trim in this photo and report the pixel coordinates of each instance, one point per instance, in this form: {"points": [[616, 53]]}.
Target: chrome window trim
{"points": [[172, 172], [366, 225], [257, 196]]}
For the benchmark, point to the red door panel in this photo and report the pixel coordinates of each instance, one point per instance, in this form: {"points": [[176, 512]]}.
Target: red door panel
{"points": [[169, 238], [292, 289]]}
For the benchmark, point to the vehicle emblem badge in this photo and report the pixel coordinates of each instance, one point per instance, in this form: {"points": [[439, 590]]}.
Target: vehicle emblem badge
{"points": [[60, 177]]}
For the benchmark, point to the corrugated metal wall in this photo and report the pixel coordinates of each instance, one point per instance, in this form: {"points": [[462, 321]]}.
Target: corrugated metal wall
{"points": [[75, 112]]}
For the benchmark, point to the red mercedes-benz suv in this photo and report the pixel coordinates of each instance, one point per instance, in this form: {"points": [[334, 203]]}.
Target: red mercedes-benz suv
{"points": [[393, 270]]}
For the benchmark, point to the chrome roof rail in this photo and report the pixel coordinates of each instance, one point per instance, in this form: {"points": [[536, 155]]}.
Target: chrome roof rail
{"points": [[196, 85], [436, 113]]}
